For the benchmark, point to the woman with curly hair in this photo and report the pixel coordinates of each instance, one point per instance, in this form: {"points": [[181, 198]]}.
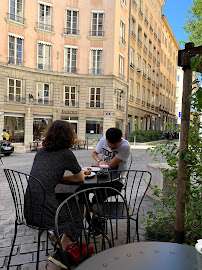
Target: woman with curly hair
{"points": [[50, 163]]}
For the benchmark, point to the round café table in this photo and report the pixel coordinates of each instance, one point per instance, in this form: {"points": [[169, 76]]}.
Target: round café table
{"points": [[145, 256]]}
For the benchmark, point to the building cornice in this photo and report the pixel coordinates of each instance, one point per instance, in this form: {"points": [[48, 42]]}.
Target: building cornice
{"points": [[171, 31]]}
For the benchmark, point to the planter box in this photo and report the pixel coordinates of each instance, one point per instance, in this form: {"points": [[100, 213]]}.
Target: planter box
{"points": [[158, 178]]}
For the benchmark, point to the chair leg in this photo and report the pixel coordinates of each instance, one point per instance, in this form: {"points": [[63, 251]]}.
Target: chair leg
{"points": [[47, 243], [116, 228], [137, 232], [38, 249], [13, 243], [128, 231]]}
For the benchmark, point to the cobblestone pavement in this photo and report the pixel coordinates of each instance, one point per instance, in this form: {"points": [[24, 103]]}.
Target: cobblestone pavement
{"points": [[26, 246]]}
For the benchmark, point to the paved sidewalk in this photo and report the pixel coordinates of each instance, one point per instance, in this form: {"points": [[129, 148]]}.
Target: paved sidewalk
{"points": [[25, 247]]}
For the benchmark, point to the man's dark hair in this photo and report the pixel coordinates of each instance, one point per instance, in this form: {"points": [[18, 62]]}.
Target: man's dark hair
{"points": [[4, 129], [113, 135]]}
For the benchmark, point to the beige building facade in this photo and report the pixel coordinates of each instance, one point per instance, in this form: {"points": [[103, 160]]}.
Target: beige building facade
{"points": [[152, 83], [69, 60]]}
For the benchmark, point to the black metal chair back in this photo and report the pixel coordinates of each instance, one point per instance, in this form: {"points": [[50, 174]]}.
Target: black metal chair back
{"points": [[94, 221], [21, 184], [136, 184]]}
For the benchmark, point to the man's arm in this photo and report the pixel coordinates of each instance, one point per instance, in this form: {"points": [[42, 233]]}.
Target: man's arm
{"points": [[78, 177], [112, 164], [95, 155]]}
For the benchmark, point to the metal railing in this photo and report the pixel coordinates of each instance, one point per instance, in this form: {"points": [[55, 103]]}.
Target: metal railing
{"points": [[131, 97], [44, 102], [153, 82], [71, 31], [122, 40], [154, 58], [95, 105], [140, 12], [14, 99], [150, 53], [132, 65], [16, 18], [138, 70], [133, 34], [152, 107], [151, 28], [149, 79], [119, 107], [44, 26], [143, 103], [43, 67], [139, 41], [148, 105], [72, 104], [157, 85], [121, 76], [146, 21], [155, 34], [97, 33], [15, 61], [145, 48], [95, 71], [70, 69], [144, 74], [134, 3], [137, 100]]}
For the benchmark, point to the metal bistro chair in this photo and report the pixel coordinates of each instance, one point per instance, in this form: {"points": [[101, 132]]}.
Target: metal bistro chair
{"points": [[134, 190], [88, 226], [19, 183]]}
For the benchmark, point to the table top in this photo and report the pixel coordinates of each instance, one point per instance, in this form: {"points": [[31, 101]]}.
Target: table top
{"points": [[145, 256], [94, 179]]}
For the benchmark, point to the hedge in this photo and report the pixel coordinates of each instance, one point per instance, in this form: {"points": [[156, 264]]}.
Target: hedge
{"points": [[146, 135]]}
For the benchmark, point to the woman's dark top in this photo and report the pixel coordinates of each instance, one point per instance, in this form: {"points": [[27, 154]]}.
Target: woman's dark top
{"points": [[49, 168]]}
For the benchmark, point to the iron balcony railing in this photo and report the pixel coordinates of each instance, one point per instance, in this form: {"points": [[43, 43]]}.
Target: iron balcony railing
{"points": [[122, 40], [144, 74], [15, 61], [134, 3], [95, 71], [97, 33], [119, 107], [72, 104], [155, 34], [44, 26], [152, 107], [132, 65], [140, 12], [44, 102], [145, 48], [143, 103], [149, 79], [43, 67], [70, 69], [146, 21], [121, 76], [138, 70], [95, 105], [157, 85], [137, 100], [148, 105], [71, 31], [154, 58], [14, 99], [153, 82], [16, 18], [131, 97], [133, 34], [151, 28], [139, 41], [150, 53]]}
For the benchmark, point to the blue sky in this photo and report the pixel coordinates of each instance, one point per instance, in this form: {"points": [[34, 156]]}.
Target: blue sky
{"points": [[175, 11]]}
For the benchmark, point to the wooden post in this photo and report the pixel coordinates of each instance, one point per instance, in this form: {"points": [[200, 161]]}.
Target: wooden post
{"points": [[184, 57]]}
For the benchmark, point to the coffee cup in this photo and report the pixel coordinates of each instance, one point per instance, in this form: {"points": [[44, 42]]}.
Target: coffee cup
{"points": [[104, 168]]}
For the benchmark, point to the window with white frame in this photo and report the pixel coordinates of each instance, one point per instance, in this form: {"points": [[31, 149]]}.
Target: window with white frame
{"points": [[160, 99], [14, 90], [148, 96], [16, 10], [149, 71], [123, 1], [139, 34], [143, 95], [122, 32], [144, 68], [158, 57], [157, 79], [70, 96], [140, 5], [131, 89], [153, 76], [152, 99], [43, 93], [119, 100], [72, 22], [145, 41], [97, 24], [138, 62], [44, 56], [45, 16], [70, 59], [132, 57], [96, 58], [95, 97], [154, 53], [137, 91], [133, 23], [146, 14], [150, 47], [15, 53], [121, 66], [157, 100], [151, 23]]}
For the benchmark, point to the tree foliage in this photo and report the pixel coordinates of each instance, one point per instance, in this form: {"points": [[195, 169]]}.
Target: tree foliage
{"points": [[193, 23]]}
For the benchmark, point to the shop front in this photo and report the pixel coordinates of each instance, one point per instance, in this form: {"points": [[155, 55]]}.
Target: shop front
{"points": [[94, 128], [40, 123], [14, 123]]}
